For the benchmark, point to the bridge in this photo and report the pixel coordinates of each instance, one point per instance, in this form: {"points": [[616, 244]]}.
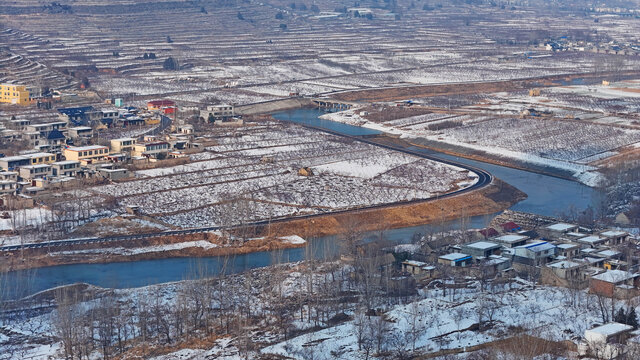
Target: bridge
{"points": [[333, 104]]}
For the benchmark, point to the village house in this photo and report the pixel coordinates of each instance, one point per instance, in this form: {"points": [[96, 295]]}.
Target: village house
{"points": [[8, 187], [30, 172], [86, 154], [565, 273], [593, 241], [614, 283], [13, 162], [568, 250], [481, 249], [511, 240], [555, 231], [68, 168], [605, 341], [418, 268], [151, 149], [14, 94], [122, 145], [218, 112], [534, 254], [80, 132], [455, 259], [157, 105], [615, 237]]}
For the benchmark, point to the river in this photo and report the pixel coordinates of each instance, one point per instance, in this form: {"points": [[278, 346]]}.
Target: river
{"points": [[547, 195]]}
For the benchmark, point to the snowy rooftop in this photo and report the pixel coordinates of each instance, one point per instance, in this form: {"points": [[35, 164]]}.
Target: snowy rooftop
{"points": [[414, 263], [591, 239], [567, 246], [38, 154], [614, 276], [613, 233], [537, 246], [608, 253], [576, 234], [611, 329], [511, 238], [454, 256], [85, 148], [565, 264], [482, 245], [561, 227]]}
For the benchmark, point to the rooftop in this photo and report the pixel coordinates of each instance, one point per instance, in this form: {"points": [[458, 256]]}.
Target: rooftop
{"points": [[561, 227], [565, 264], [613, 233], [611, 329], [454, 256], [511, 238], [85, 148], [482, 245], [614, 276], [591, 239]]}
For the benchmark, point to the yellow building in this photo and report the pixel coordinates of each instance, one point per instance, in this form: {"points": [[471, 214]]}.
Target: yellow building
{"points": [[86, 154], [41, 158], [14, 94], [122, 144]]}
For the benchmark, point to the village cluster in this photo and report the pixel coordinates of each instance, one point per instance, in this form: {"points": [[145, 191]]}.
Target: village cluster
{"points": [[77, 144]]}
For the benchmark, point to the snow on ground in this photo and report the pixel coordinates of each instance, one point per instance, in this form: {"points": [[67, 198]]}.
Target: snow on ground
{"points": [[441, 322], [259, 164], [25, 218], [148, 249]]}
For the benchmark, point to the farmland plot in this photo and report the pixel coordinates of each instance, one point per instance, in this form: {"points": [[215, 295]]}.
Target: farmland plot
{"points": [[257, 169]]}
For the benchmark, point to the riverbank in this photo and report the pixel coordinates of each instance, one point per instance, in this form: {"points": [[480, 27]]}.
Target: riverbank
{"points": [[161, 247], [493, 198]]}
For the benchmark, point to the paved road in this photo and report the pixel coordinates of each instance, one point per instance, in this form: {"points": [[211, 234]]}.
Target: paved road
{"points": [[484, 179]]}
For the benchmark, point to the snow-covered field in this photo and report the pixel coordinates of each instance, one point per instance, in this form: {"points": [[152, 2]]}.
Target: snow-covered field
{"points": [[258, 167]]}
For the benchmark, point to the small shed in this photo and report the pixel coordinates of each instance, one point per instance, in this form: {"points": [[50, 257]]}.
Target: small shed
{"points": [[305, 171]]}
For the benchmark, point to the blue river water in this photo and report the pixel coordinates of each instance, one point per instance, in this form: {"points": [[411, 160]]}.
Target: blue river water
{"points": [[547, 195]]}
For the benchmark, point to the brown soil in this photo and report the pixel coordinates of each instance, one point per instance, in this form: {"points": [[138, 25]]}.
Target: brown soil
{"points": [[493, 198], [403, 93]]}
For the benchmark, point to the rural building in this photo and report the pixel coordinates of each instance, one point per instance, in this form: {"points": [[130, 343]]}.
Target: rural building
{"points": [[592, 240], [418, 268], [455, 259], [13, 162], [565, 273], [8, 187], [151, 149], [41, 158], [122, 145], [489, 232], [113, 174], [65, 168], [86, 154], [218, 112], [615, 237], [554, 231], [605, 341], [534, 254], [481, 249], [31, 172], [511, 240], [14, 94], [157, 105], [510, 227], [77, 132], [613, 282], [185, 129], [568, 250]]}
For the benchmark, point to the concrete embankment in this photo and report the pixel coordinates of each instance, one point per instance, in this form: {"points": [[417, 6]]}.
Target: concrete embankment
{"points": [[273, 106]]}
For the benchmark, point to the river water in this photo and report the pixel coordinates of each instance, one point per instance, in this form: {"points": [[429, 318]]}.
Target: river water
{"points": [[547, 195]]}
